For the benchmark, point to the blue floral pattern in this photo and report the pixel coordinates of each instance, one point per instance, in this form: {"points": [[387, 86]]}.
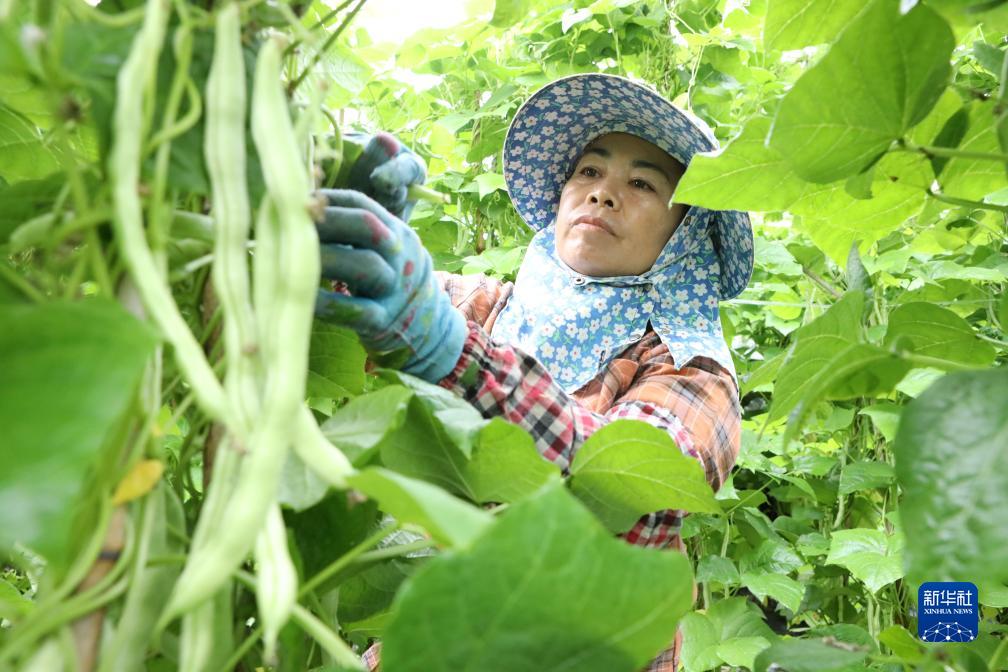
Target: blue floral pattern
{"points": [[576, 324]]}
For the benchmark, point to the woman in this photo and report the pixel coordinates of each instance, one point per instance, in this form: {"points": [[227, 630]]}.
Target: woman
{"points": [[614, 311]]}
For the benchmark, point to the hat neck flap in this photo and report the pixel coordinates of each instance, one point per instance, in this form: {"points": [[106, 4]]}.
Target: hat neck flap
{"points": [[576, 324]]}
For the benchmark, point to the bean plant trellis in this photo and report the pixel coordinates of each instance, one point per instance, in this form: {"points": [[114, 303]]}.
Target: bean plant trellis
{"points": [[196, 475]]}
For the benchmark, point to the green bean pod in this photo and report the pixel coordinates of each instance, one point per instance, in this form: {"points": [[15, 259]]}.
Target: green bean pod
{"points": [[276, 580], [196, 641], [124, 168], [224, 150], [284, 331]]}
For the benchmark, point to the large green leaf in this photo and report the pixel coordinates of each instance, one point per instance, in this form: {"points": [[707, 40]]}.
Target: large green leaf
{"points": [[629, 468], [449, 520], [793, 24], [26, 200], [26, 156], [970, 177], [869, 555], [858, 476], [780, 587], [546, 588], [938, 333], [953, 467], [359, 427], [816, 344], [805, 655], [505, 465], [335, 362], [835, 220], [745, 175], [735, 619], [70, 371], [882, 76]]}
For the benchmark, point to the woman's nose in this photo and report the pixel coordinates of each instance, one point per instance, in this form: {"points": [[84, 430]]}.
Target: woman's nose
{"points": [[605, 196]]}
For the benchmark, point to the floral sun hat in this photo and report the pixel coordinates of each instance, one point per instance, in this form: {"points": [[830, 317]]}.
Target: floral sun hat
{"points": [[551, 130], [575, 324]]}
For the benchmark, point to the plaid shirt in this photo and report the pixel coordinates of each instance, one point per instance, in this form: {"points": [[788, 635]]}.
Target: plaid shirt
{"points": [[697, 404]]}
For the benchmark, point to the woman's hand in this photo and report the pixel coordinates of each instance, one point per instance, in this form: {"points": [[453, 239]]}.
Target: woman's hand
{"points": [[395, 302], [385, 170]]}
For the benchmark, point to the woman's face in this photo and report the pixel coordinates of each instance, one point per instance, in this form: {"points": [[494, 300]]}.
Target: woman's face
{"points": [[613, 217]]}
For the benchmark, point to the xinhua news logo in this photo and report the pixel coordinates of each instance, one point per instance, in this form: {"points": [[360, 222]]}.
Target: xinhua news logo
{"points": [[947, 611]]}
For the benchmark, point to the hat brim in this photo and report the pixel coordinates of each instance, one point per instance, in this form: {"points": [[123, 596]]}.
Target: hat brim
{"points": [[552, 128]]}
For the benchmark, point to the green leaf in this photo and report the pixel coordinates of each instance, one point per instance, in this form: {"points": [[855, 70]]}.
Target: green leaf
{"points": [[359, 427], [335, 362], [780, 587], [70, 371], [489, 183], [936, 332], [700, 642], [449, 520], [858, 476], [953, 468], [507, 13], [26, 200], [835, 220], [12, 603], [330, 528], [805, 655], [793, 24], [816, 345], [735, 619], [505, 465], [902, 643], [547, 584], [745, 175], [25, 155], [972, 178], [880, 78], [741, 651], [717, 568], [858, 370], [629, 468], [869, 555], [885, 416], [300, 487]]}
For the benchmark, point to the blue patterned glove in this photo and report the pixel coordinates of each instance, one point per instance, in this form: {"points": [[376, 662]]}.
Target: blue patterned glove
{"points": [[396, 302], [385, 170]]}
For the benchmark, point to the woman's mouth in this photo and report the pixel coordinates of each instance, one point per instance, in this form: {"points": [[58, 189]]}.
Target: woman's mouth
{"points": [[593, 223]]}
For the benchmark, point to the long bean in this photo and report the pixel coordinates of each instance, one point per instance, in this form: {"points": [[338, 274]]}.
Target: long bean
{"points": [[276, 580], [124, 167], [284, 330]]}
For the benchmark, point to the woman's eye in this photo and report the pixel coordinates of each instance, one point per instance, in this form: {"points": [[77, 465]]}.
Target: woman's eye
{"points": [[641, 184], [588, 171]]}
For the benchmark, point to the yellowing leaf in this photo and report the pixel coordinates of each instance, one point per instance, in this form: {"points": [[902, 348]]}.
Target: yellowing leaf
{"points": [[140, 480]]}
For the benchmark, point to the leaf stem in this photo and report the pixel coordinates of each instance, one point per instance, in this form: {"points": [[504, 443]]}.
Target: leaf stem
{"points": [[15, 279], [821, 282], [396, 551], [932, 151], [346, 559], [325, 47], [952, 200]]}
